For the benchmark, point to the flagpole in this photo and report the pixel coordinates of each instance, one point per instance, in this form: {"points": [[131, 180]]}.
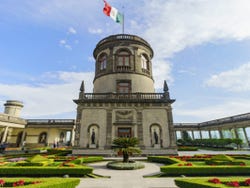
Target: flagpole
{"points": [[123, 20]]}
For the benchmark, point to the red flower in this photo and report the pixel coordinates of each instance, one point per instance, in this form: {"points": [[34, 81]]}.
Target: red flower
{"points": [[247, 182], [188, 164], [2, 182], [233, 184], [20, 182], [179, 164], [242, 164], [214, 180]]}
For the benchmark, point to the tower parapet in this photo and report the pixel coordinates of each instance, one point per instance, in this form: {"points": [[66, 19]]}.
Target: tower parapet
{"points": [[13, 107]]}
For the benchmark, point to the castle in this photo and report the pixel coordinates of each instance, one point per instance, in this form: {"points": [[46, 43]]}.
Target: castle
{"points": [[123, 104]]}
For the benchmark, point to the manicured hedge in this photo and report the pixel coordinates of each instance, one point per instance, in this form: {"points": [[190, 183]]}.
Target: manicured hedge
{"points": [[203, 182], [187, 148], [46, 182], [205, 170], [45, 171], [223, 160], [87, 160], [164, 159]]}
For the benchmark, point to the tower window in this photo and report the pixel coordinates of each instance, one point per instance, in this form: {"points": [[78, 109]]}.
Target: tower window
{"points": [[144, 62], [124, 86], [103, 62], [123, 59]]}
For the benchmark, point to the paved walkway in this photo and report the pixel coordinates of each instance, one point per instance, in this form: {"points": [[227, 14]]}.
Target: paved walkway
{"points": [[126, 178], [134, 178]]}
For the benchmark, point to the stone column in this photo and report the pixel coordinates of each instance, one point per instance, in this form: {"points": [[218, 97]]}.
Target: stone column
{"points": [[192, 134], [22, 138], [236, 133], [72, 136], [4, 135], [220, 132], [200, 134], [245, 133], [209, 134]]}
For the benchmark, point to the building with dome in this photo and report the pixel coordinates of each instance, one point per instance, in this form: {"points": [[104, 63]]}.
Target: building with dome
{"points": [[124, 102]]}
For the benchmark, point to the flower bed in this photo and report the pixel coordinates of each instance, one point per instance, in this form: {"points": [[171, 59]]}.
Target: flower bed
{"points": [[73, 171], [38, 165], [205, 165], [40, 182], [213, 182]]}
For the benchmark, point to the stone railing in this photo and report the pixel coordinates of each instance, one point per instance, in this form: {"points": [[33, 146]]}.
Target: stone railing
{"points": [[127, 97], [50, 121], [122, 37], [231, 119]]}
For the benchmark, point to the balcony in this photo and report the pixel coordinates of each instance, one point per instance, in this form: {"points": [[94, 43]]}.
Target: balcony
{"points": [[125, 97]]}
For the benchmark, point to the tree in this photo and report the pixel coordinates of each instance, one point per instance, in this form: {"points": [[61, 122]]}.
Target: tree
{"points": [[127, 146], [238, 142]]}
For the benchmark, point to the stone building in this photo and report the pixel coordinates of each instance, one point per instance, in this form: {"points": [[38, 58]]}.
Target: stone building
{"points": [[15, 131], [124, 102]]}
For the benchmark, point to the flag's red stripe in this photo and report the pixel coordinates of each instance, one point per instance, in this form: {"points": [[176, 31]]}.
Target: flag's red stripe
{"points": [[107, 9]]}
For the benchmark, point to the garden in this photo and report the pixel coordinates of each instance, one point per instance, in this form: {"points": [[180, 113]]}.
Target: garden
{"points": [[43, 170], [227, 168]]}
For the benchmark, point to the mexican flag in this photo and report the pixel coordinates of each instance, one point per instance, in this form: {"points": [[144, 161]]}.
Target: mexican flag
{"points": [[113, 13]]}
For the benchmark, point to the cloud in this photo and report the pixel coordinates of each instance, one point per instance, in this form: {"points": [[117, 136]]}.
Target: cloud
{"points": [[71, 30], [181, 24], [210, 112], [171, 26], [237, 80], [95, 31], [49, 99], [53, 12], [63, 43], [161, 72]]}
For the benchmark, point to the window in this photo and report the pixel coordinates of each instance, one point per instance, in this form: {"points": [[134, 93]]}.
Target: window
{"points": [[123, 59], [123, 87], [102, 62], [144, 62], [124, 132]]}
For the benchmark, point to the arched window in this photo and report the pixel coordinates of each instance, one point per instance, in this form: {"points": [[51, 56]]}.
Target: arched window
{"points": [[102, 62], [123, 60], [144, 62], [42, 138]]}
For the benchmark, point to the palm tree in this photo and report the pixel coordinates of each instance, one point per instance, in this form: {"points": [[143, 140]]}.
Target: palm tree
{"points": [[126, 146]]}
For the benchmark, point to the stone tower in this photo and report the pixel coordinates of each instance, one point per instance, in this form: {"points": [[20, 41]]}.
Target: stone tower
{"points": [[13, 108], [124, 102]]}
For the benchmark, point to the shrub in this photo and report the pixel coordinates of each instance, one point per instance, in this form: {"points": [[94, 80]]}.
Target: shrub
{"points": [[205, 170], [86, 160], [223, 160], [38, 158], [187, 148], [164, 159], [42, 182], [209, 183], [76, 171]]}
